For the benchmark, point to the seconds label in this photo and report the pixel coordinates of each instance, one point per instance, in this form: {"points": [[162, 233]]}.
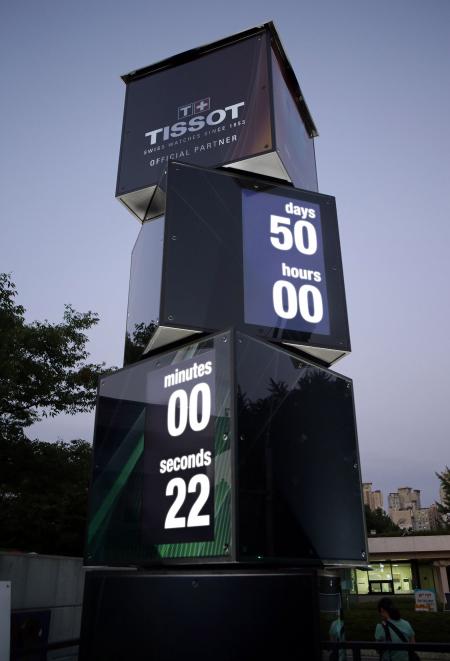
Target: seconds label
{"points": [[284, 268], [179, 453]]}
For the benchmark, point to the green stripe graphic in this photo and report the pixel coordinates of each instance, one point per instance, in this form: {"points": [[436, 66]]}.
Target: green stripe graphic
{"points": [[115, 490]]}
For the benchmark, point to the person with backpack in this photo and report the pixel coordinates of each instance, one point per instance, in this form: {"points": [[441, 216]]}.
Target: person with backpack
{"points": [[393, 628]]}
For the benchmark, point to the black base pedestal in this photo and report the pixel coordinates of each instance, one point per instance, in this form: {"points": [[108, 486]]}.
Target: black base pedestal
{"points": [[200, 616]]}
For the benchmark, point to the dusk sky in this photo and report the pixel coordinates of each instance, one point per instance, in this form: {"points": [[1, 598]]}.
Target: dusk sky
{"points": [[375, 76]]}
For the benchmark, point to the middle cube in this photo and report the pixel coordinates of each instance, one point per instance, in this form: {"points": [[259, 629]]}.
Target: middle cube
{"points": [[236, 250]]}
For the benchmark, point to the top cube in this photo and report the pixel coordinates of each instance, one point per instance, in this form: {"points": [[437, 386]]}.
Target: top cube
{"points": [[235, 103]]}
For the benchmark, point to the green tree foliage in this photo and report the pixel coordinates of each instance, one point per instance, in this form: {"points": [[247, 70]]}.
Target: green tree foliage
{"points": [[137, 341], [444, 505], [43, 495], [43, 366], [379, 521], [44, 370]]}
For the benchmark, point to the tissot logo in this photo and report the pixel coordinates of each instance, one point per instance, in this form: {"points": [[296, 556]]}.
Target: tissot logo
{"points": [[197, 121], [190, 109]]}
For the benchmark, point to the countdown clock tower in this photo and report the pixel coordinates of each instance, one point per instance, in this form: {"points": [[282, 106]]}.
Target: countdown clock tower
{"points": [[226, 471]]}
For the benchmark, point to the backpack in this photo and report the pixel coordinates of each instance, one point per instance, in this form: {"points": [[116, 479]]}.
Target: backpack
{"points": [[413, 656]]}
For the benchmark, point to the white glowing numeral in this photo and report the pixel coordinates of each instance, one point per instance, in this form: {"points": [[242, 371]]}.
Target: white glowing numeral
{"points": [[195, 519], [172, 521], [278, 226], [287, 302], [195, 423], [304, 293], [196, 409], [304, 238], [305, 230], [178, 402], [288, 311]]}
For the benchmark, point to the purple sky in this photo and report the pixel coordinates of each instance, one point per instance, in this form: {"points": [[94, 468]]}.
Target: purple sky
{"points": [[376, 78]]}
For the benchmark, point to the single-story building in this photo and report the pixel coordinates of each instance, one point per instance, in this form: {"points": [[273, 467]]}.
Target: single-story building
{"points": [[399, 565]]}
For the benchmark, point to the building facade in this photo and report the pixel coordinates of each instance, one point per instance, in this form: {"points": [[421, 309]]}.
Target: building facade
{"points": [[399, 565], [404, 498], [404, 519], [406, 511], [374, 499]]}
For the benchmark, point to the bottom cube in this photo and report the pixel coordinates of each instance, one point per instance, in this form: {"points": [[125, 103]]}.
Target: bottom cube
{"points": [[199, 616], [227, 449]]}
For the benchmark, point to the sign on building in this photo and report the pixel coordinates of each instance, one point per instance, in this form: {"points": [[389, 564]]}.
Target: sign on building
{"points": [[425, 601]]}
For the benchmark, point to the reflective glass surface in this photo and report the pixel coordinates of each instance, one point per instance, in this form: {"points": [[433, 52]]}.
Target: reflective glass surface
{"points": [[144, 289], [293, 143], [173, 465], [298, 465], [161, 485], [246, 252], [211, 110], [199, 616], [394, 578]]}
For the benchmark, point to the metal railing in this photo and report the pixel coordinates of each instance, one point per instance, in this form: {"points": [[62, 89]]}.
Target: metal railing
{"points": [[356, 646], [41, 649]]}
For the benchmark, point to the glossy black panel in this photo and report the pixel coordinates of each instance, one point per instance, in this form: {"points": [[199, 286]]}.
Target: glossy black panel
{"points": [[264, 444], [202, 285], [298, 466], [250, 253], [211, 110], [199, 616], [212, 106], [294, 144], [144, 289]]}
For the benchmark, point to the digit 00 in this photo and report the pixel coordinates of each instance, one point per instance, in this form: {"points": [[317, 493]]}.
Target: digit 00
{"points": [[288, 302], [194, 409]]}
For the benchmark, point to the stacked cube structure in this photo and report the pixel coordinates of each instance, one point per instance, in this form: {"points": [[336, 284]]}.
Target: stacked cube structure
{"points": [[226, 469]]}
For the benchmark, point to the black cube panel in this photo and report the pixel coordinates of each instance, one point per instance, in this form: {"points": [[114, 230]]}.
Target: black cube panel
{"points": [[199, 617], [234, 102], [225, 450], [239, 251]]}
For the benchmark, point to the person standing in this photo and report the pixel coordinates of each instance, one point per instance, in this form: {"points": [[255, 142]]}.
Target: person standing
{"points": [[337, 635], [393, 628]]}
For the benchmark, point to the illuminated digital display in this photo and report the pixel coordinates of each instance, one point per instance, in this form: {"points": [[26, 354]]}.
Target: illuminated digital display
{"points": [[284, 266], [178, 499]]}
